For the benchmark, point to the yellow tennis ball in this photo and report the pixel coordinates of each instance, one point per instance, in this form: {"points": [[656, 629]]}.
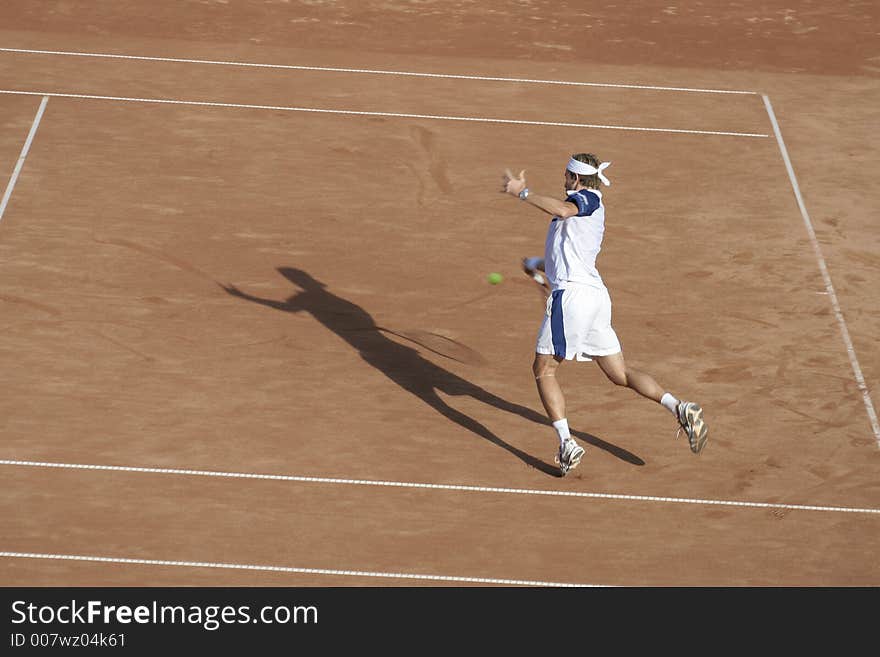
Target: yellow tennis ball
{"points": [[495, 278]]}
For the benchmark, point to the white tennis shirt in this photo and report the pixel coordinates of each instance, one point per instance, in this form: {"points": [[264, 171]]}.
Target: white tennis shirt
{"points": [[572, 244]]}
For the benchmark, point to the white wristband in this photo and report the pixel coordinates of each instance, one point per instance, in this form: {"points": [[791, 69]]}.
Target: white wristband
{"points": [[524, 194]]}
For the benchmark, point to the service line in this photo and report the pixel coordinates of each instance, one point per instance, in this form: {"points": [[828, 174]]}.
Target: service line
{"points": [[452, 487], [21, 158], [284, 108], [366, 71]]}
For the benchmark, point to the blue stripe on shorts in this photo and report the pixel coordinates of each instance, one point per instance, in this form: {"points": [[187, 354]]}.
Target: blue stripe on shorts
{"points": [[557, 327]]}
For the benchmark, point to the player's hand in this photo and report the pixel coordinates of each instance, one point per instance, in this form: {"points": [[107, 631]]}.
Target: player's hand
{"points": [[513, 185]]}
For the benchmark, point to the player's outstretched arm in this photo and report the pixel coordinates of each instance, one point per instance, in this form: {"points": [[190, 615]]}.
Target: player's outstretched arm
{"points": [[516, 186]]}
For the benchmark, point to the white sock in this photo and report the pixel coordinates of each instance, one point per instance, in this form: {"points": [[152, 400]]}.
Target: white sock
{"points": [[562, 431], [670, 403]]}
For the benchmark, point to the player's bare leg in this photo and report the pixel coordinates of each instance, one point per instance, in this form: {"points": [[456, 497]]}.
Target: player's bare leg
{"points": [[616, 369], [688, 414], [549, 390], [544, 368]]}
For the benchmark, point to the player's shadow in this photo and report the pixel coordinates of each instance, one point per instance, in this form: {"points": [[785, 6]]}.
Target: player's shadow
{"points": [[406, 367]]}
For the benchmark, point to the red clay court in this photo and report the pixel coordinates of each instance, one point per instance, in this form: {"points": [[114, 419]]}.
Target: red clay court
{"points": [[248, 337]]}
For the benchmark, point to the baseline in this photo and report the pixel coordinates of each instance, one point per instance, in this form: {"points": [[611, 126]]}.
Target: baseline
{"points": [[292, 569], [452, 487]]}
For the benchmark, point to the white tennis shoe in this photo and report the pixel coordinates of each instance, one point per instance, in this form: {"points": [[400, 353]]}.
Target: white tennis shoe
{"points": [[690, 417], [569, 455]]}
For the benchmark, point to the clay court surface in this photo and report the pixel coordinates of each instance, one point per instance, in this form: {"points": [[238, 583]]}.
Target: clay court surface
{"points": [[356, 406]]}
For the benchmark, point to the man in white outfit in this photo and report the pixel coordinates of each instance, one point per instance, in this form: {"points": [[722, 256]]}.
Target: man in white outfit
{"points": [[577, 325]]}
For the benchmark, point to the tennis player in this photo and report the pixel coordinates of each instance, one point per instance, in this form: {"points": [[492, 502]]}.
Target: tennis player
{"points": [[577, 325]]}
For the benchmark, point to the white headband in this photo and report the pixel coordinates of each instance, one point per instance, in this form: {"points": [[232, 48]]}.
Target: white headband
{"points": [[583, 169]]}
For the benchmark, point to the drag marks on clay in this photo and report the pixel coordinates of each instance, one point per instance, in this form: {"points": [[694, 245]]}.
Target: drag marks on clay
{"points": [[750, 318], [825, 422], [436, 166], [156, 346], [733, 373], [49, 310], [125, 334], [866, 258], [124, 347], [156, 253], [427, 166]]}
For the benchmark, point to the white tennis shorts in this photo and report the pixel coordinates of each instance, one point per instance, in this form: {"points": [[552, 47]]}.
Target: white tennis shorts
{"points": [[578, 324]]}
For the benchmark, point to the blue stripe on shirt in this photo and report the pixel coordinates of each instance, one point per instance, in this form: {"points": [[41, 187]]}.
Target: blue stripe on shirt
{"points": [[585, 201]]}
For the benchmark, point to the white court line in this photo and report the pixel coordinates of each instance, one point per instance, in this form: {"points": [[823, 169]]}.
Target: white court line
{"points": [[285, 108], [289, 569], [826, 277], [370, 71], [454, 487], [23, 156]]}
